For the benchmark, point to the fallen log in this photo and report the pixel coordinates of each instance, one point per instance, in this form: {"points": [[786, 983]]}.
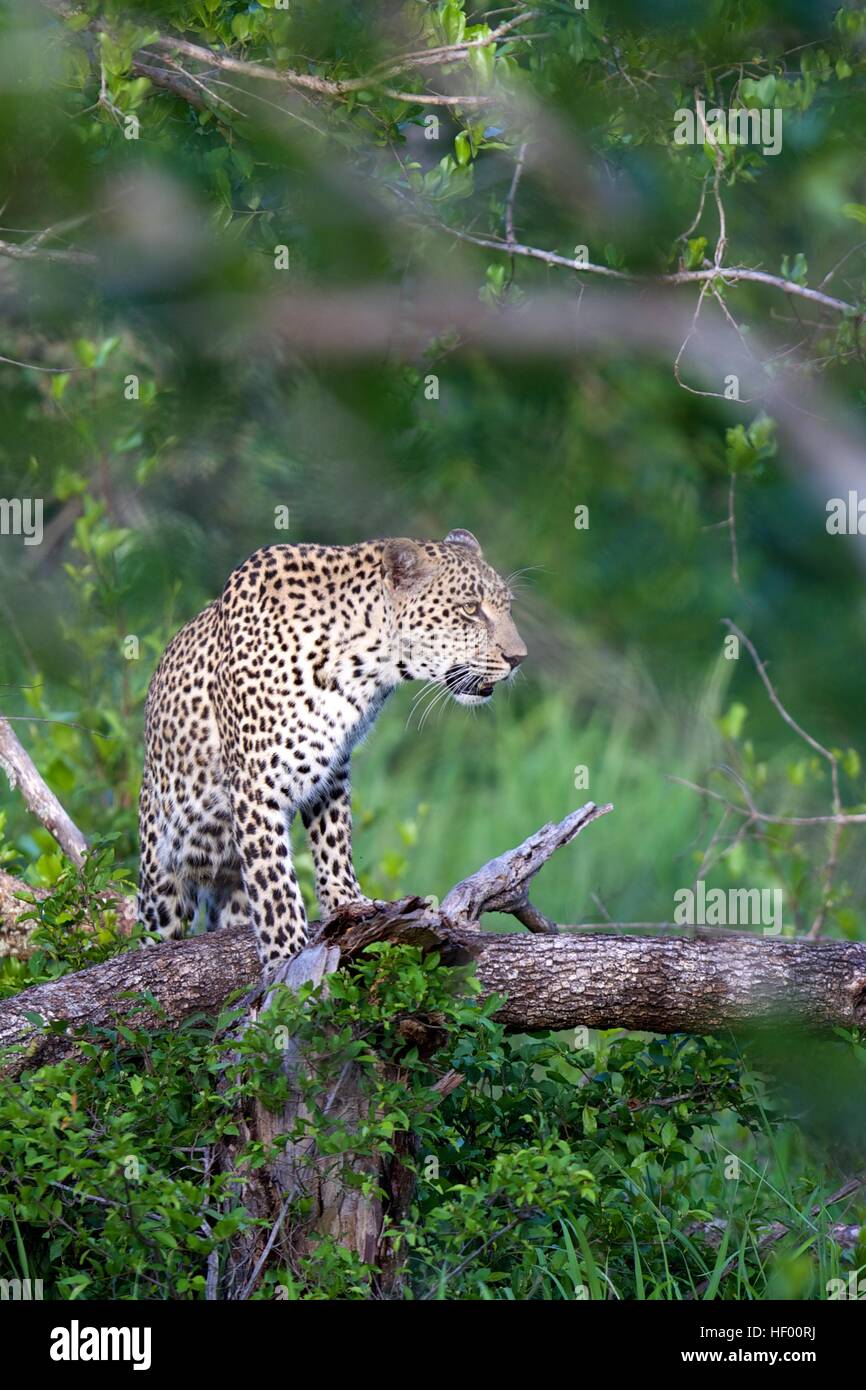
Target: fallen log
{"points": [[699, 982]]}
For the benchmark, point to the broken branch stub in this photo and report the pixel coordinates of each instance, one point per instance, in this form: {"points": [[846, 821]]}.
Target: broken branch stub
{"points": [[502, 885]]}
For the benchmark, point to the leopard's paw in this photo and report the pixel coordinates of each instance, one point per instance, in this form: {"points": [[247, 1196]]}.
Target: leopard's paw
{"points": [[351, 909]]}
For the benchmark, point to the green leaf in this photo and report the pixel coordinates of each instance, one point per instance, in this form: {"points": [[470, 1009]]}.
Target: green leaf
{"points": [[796, 270], [747, 449], [482, 60], [453, 22], [765, 90], [85, 351], [731, 723], [695, 251]]}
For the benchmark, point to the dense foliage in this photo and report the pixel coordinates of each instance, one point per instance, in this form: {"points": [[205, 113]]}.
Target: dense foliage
{"points": [[566, 1167]]}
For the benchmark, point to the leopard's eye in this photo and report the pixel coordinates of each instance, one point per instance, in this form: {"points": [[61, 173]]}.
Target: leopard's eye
{"points": [[470, 610]]}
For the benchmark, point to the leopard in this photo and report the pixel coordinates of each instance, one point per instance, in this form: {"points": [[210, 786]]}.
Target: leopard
{"points": [[258, 702]]}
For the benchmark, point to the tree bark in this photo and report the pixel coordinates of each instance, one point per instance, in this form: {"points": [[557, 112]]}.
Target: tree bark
{"points": [[14, 935]]}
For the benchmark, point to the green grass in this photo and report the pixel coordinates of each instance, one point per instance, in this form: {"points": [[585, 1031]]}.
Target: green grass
{"points": [[473, 783]]}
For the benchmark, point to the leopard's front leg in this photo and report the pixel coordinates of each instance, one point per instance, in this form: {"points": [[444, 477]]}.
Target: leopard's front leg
{"points": [[327, 818], [260, 825]]}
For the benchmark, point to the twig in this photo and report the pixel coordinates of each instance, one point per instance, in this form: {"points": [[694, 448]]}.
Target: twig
{"points": [[684, 344], [684, 236], [771, 691], [722, 241], [839, 264], [729, 275], [437, 98], [45, 253], [512, 194], [837, 821], [858, 818], [327, 86], [453, 1273], [268, 1246], [732, 525]]}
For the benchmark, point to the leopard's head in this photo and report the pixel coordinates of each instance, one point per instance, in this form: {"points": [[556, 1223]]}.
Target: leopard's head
{"points": [[452, 616]]}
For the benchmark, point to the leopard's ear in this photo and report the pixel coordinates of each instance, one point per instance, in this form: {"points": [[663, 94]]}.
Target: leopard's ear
{"points": [[404, 562], [461, 537]]}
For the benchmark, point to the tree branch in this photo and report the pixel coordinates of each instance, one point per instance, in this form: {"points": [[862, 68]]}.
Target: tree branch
{"points": [[22, 772], [729, 274], [502, 884], [45, 253], [190, 88], [182, 83]]}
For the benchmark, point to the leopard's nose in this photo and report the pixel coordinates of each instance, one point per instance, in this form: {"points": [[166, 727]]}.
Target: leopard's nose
{"points": [[515, 660]]}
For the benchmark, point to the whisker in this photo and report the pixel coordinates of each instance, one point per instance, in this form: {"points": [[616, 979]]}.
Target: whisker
{"points": [[526, 570], [431, 690], [425, 690], [438, 700]]}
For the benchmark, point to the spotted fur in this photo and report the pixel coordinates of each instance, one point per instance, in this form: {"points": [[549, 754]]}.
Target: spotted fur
{"points": [[257, 704]]}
